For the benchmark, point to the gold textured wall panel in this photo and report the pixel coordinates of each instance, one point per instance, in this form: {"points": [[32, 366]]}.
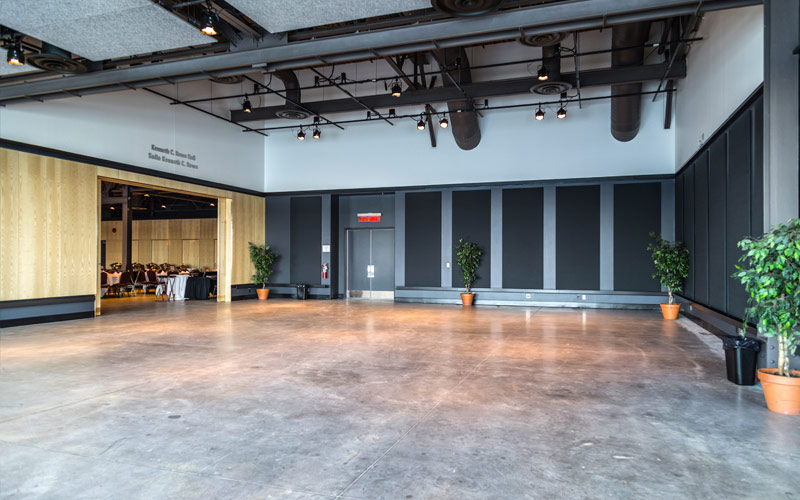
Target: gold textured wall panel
{"points": [[170, 234], [247, 213], [48, 227]]}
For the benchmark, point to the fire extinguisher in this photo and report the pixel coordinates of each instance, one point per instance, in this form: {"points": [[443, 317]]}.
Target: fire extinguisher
{"points": [[325, 271]]}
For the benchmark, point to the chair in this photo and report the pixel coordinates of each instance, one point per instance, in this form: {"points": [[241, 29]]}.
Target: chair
{"points": [[150, 279], [104, 280], [126, 284]]}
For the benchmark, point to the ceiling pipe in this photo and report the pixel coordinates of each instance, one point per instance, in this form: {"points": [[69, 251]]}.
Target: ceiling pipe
{"points": [[503, 25], [625, 105], [463, 118]]}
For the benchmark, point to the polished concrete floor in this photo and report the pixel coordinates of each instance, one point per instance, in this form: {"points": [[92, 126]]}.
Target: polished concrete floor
{"points": [[313, 399]]}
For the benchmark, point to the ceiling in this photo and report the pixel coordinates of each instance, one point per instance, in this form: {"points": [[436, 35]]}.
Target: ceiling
{"points": [[152, 204], [278, 15], [101, 29]]}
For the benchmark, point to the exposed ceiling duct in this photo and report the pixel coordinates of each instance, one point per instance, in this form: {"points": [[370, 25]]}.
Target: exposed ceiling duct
{"points": [[626, 108], [463, 8], [52, 58], [551, 60], [228, 80], [543, 39], [292, 89], [464, 124]]}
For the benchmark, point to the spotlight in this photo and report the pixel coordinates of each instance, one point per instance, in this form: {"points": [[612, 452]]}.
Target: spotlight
{"points": [[397, 90], [163, 206], [111, 208], [317, 134], [543, 73], [420, 124], [246, 106], [540, 114], [561, 113], [16, 57], [146, 195], [301, 136], [443, 122], [211, 204], [392, 113], [208, 23]]}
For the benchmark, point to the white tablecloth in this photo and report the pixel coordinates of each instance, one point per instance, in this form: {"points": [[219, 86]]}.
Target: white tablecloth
{"points": [[176, 286], [111, 279]]}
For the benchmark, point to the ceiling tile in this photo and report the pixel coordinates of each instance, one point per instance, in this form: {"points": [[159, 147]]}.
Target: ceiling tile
{"points": [[117, 33], [278, 15]]}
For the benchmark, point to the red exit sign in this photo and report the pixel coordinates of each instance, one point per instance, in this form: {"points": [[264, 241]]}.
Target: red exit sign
{"points": [[369, 217]]}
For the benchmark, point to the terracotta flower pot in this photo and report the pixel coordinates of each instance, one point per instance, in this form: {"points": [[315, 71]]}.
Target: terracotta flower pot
{"points": [[670, 311], [467, 298], [263, 293], [782, 393]]}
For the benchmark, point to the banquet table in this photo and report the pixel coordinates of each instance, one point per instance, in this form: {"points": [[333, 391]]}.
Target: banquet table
{"points": [[176, 286]]}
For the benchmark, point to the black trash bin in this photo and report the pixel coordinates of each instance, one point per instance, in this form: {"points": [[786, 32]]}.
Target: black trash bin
{"points": [[741, 356], [302, 292]]}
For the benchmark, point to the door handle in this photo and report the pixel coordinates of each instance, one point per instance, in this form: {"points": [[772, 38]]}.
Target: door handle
{"points": [[370, 271]]}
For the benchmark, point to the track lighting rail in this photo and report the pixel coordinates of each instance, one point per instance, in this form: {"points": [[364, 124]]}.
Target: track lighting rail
{"points": [[351, 96], [283, 94], [416, 116]]}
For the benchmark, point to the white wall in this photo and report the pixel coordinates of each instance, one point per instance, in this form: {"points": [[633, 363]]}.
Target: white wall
{"points": [[514, 147], [723, 70], [122, 126]]}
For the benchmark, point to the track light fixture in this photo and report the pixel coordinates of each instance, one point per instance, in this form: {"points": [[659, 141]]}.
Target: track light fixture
{"points": [[543, 74], [397, 89], [392, 113], [540, 113], [301, 136], [421, 124], [317, 134], [163, 206], [211, 204], [16, 57], [111, 207], [561, 113], [208, 21], [443, 122], [246, 106]]}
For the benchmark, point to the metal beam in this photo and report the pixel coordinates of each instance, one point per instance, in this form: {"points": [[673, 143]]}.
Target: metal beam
{"points": [[352, 97], [503, 25], [589, 78]]}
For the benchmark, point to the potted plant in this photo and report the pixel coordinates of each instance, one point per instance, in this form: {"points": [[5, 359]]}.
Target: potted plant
{"points": [[671, 260], [771, 275], [468, 257], [262, 258]]}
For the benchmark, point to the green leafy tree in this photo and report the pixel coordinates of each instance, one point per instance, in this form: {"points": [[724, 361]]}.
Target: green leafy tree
{"points": [[671, 261], [468, 257], [262, 258], [771, 275]]}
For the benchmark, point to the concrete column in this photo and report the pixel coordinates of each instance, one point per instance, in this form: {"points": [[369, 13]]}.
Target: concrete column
{"points": [[400, 239], [607, 236], [447, 238], [549, 240], [781, 129], [496, 255]]}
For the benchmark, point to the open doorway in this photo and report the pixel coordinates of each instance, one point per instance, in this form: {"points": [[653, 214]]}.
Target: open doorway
{"points": [[156, 245]]}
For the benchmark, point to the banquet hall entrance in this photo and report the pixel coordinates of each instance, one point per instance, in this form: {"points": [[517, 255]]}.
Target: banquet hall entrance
{"points": [[156, 245]]}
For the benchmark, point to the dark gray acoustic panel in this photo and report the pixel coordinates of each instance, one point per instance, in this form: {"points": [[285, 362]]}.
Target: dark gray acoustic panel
{"points": [[737, 221], [278, 236], [679, 194], [522, 238], [757, 177], [700, 271], [306, 240], [423, 239], [578, 238], [688, 227], [637, 213], [472, 220], [717, 172]]}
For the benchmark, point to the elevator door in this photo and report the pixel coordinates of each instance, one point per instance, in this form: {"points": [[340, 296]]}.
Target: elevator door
{"points": [[370, 264]]}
